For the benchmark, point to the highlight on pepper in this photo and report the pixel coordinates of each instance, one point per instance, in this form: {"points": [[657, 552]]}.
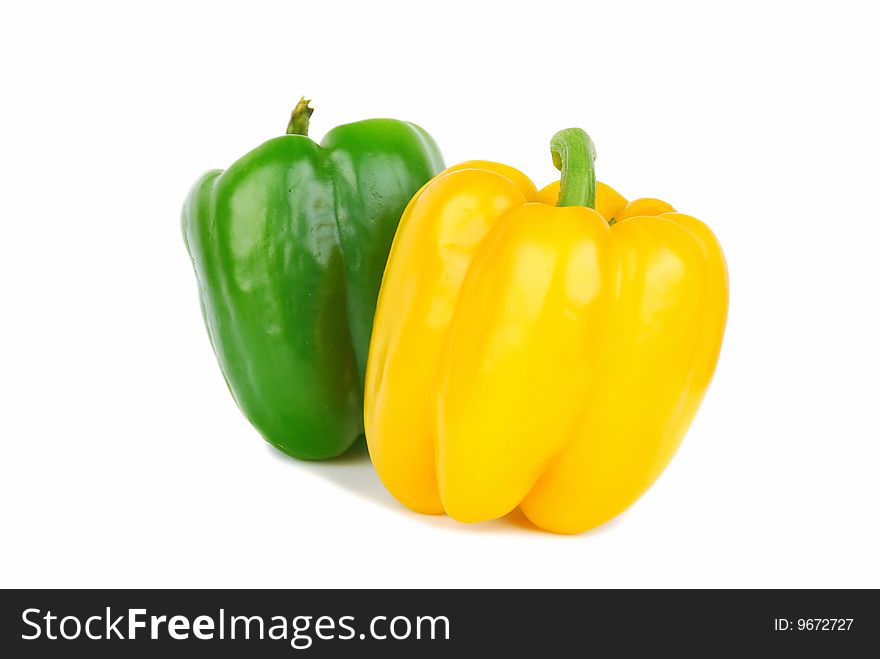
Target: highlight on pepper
{"points": [[545, 350]]}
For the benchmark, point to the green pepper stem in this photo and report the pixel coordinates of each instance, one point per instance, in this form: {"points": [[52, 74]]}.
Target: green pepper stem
{"points": [[299, 118], [574, 155]]}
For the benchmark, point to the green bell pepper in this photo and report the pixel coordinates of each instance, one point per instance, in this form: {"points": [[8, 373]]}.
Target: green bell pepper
{"points": [[289, 245]]}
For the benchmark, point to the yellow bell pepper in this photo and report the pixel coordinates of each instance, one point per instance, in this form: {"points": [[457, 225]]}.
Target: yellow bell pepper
{"points": [[546, 350]]}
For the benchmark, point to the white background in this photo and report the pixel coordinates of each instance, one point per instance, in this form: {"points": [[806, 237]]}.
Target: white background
{"points": [[124, 460]]}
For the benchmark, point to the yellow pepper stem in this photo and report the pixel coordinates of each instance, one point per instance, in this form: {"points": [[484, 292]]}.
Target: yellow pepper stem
{"points": [[299, 118], [574, 155]]}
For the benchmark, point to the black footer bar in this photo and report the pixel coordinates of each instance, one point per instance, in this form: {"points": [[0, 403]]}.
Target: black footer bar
{"points": [[287, 623]]}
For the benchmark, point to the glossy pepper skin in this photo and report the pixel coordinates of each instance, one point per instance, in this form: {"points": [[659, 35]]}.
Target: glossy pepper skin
{"points": [[534, 355], [288, 246]]}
